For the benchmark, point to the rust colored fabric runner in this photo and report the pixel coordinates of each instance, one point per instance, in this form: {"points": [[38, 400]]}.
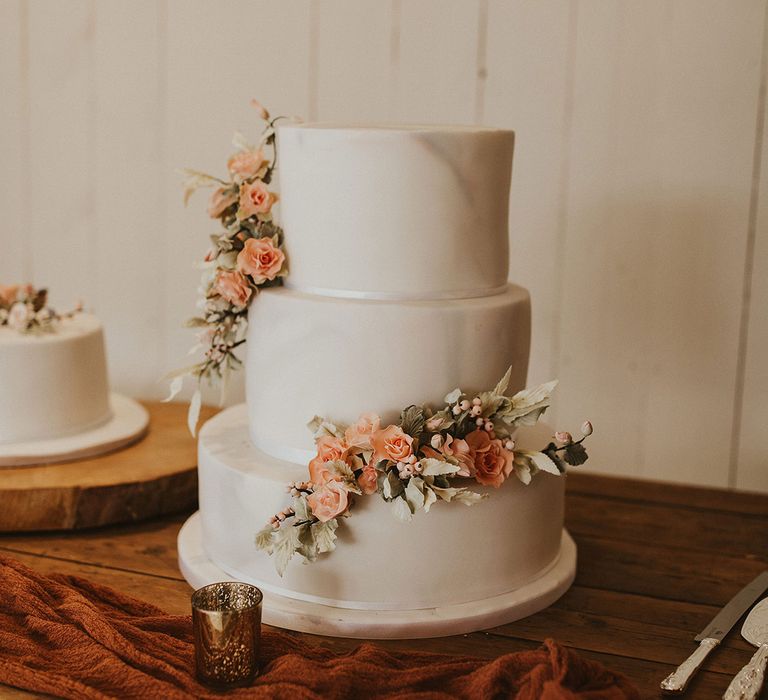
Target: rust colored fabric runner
{"points": [[73, 638]]}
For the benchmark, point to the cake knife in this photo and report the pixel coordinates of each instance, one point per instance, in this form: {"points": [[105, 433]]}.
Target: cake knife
{"points": [[748, 682], [714, 633]]}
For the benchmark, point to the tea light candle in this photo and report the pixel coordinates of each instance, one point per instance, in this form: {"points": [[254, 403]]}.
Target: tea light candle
{"points": [[226, 622]]}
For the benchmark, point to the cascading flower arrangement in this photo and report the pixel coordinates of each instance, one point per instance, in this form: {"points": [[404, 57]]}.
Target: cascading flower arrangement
{"points": [[423, 458], [245, 257], [25, 309]]}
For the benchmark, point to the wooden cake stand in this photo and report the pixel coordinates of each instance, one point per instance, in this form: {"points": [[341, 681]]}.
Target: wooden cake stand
{"points": [[155, 476]]}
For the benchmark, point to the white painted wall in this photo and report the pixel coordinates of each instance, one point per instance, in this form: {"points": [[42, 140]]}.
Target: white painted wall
{"points": [[639, 202]]}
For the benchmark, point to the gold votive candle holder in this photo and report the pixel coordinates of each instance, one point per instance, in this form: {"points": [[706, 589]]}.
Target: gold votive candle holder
{"points": [[226, 623]]}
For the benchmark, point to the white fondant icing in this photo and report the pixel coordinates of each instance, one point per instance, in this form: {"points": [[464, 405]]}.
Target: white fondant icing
{"points": [[419, 210], [314, 618], [53, 384], [338, 358], [449, 556]]}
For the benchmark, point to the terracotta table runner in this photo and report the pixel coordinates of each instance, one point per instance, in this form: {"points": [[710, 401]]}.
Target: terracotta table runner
{"points": [[69, 637]]}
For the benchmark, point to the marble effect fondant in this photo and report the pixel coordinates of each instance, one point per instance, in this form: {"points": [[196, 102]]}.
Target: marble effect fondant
{"points": [[414, 211], [452, 556], [314, 355]]}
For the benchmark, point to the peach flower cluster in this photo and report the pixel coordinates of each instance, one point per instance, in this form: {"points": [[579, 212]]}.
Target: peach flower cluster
{"points": [[366, 444]]}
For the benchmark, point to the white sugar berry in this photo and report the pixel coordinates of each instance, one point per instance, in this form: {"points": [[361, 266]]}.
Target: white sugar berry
{"points": [[509, 445], [488, 426], [586, 428], [404, 470]]}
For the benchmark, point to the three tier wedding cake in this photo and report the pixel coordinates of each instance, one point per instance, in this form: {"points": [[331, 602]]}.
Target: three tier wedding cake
{"points": [[55, 402], [395, 291]]}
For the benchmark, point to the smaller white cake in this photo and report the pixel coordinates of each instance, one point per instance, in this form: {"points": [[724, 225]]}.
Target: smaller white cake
{"points": [[53, 384], [55, 402]]}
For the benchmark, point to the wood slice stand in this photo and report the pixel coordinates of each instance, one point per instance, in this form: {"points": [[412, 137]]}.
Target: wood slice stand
{"points": [[155, 476]]}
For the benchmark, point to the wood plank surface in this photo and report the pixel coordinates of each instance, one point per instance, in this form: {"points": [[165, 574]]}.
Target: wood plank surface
{"points": [[61, 234], [655, 564], [15, 259], [528, 88], [128, 160], [661, 154], [749, 462]]}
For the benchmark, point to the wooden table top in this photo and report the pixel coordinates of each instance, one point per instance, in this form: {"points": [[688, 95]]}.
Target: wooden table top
{"points": [[656, 562]]}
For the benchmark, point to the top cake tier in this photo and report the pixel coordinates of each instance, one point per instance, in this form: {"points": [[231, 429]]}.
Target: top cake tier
{"points": [[395, 212]]}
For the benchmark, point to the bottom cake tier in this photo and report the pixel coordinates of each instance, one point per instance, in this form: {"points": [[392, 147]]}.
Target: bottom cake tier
{"points": [[453, 570]]}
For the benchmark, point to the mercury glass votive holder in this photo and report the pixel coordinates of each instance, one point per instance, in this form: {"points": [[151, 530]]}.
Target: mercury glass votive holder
{"points": [[226, 622]]}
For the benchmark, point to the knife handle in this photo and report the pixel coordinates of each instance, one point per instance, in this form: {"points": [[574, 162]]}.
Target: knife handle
{"points": [[748, 682], [676, 681]]}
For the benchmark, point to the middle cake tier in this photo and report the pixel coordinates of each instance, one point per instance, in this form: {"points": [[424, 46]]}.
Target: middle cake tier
{"points": [[312, 355]]}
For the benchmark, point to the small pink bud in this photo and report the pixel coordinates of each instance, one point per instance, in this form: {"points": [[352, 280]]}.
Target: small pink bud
{"points": [[411, 459], [565, 437], [476, 401], [464, 405], [456, 410], [479, 422], [476, 410], [436, 441], [586, 428], [488, 426]]}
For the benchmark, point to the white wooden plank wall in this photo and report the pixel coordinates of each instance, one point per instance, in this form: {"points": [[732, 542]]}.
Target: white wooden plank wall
{"points": [[639, 207]]}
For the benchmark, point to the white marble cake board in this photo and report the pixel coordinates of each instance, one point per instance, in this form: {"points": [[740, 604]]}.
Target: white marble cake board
{"points": [[129, 423], [313, 618]]}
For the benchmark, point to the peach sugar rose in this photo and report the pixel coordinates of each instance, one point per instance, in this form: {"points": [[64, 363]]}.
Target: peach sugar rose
{"points": [[246, 164], [255, 198], [261, 259], [359, 434], [459, 450], [233, 287], [367, 480], [391, 443], [8, 293], [329, 449], [493, 463], [329, 501], [220, 201]]}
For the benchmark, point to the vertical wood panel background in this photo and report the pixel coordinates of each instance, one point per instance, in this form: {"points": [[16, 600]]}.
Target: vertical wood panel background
{"points": [[638, 206]]}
